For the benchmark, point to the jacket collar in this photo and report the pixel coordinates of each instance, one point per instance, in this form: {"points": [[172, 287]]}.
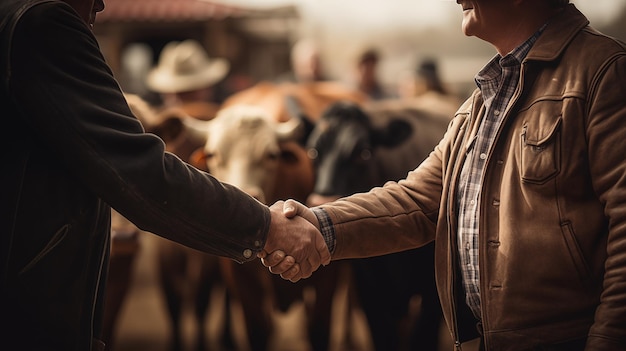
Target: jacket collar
{"points": [[558, 34]]}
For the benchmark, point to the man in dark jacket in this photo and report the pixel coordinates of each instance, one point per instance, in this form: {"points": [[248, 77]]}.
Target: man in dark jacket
{"points": [[524, 195], [71, 149]]}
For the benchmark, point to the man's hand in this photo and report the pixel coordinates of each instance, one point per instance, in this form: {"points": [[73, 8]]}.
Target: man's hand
{"points": [[294, 247]]}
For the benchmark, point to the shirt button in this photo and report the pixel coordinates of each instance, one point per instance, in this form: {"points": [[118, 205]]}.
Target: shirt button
{"points": [[496, 112], [483, 156], [472, 202], [247, 253], [257, 243]]}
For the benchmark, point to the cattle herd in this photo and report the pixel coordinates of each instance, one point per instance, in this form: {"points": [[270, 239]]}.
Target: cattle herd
{"points": [[313, 142]]}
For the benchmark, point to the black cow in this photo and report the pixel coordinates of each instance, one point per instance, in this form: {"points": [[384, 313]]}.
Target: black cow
{"points": [[355, 149]]}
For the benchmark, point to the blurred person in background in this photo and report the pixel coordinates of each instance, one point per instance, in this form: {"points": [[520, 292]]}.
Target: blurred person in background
{"points": [[366, 75], [423, 88], [75, 150], [186, 77], [306, 63]]}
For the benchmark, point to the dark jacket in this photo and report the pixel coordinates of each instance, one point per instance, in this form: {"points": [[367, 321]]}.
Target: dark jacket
{"points": [[553, 202], [70, 149]]}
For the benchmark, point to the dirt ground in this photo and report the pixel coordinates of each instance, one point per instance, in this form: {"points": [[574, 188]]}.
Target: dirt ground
{"points": [[142, 323]]}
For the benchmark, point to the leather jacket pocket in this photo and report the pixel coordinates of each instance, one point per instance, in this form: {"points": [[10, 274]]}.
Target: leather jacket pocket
{"points": [[541, 150], [576, 253]]}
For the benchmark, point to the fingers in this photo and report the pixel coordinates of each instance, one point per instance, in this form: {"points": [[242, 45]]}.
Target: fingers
{"points": [[284, 266], [294, 247], [293, 274], [270, 260]]}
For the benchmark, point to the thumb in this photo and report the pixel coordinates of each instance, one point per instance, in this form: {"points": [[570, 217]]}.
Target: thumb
{"points": [[292, 208]]}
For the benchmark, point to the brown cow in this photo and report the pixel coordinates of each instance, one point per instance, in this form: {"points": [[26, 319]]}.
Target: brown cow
{"points": [[293, 178], [252, 283]]}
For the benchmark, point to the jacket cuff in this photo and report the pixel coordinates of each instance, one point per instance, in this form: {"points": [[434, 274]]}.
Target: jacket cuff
{"points": [[326, 227]]}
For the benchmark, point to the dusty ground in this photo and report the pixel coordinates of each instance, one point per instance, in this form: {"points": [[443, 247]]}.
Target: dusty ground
{"points": [[142, 324]]}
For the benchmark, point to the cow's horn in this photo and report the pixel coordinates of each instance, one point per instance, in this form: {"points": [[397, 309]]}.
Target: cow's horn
{"points": [[292, 129], [196, 127]]}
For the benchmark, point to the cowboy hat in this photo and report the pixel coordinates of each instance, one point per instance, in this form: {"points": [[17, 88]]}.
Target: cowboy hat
{"points": [[185, 66]]}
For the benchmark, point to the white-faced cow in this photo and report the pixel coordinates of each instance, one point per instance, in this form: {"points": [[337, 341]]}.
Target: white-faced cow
{"points": [[354, 149], [282, 171], [246, 148], [272, 168]]}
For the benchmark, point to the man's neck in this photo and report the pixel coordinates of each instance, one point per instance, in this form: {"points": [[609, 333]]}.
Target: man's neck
{"points": [[520, 29]]}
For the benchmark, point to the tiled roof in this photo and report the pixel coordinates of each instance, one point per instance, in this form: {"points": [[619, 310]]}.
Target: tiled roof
{"points": [[165, 11]]}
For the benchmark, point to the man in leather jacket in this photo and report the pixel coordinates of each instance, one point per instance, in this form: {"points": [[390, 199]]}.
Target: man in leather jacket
{"points": [[71, 149], [525, 195]]}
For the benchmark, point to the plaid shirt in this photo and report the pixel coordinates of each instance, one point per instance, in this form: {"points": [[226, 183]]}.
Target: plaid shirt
{"points": [[497, 81]]}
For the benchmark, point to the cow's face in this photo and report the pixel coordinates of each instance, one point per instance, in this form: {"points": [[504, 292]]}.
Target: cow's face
{"points": [[245, 148], [343, 147], [242, 149]]}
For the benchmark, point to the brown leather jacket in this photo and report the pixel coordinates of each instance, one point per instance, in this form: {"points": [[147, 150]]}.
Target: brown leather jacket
{"points": [[553, 203]]}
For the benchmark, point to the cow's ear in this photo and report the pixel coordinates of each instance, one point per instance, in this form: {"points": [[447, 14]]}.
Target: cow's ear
{"points": [[393, 134]]}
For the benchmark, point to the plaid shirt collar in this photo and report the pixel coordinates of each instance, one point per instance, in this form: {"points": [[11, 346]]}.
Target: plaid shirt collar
{"points": [[488, 78]]}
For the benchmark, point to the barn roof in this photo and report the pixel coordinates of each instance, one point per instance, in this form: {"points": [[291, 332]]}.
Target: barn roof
{"points": [[166, 11]]}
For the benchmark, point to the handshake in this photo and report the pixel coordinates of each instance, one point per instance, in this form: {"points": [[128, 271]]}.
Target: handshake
{"points": [[294, 247]]}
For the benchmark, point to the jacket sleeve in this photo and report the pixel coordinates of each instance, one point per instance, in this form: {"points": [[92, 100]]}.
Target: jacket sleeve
{"points": [[395, 217], [71, 102], [606, 128]]}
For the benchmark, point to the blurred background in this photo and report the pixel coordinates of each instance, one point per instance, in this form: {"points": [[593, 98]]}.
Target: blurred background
{"points": [[256, 36], [257, 39]]}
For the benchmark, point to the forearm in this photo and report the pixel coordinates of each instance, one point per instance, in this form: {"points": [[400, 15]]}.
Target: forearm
{"points": [[73, 107], [382, 221]]}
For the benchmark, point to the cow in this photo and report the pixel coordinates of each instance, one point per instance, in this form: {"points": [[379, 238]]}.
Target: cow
{"points": [[355, 148], [286, 172], [246, 148], [282, 103], [249, 284]]}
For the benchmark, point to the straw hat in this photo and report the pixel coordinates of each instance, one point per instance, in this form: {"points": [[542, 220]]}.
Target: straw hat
{"points": [[185, 66]]}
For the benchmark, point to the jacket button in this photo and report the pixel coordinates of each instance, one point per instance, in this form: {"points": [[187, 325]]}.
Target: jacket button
{"points": [[247, 253]]}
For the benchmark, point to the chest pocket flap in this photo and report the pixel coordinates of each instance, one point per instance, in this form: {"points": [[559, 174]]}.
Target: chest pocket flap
{"points": [[541, 148]]}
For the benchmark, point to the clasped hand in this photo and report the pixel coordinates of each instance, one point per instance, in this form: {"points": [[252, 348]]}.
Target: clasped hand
{"points": [[294, 247]]}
